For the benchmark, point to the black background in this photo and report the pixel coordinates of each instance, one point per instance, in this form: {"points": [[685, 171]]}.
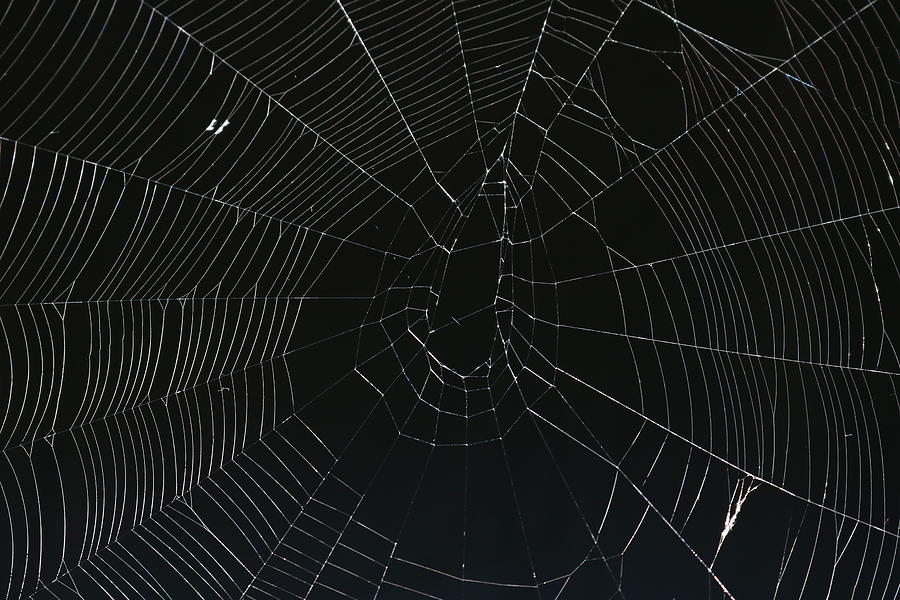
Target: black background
{"points": [[463, 302]]}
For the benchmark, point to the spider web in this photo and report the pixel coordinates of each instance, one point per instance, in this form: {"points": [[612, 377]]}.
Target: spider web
{"points": [[449, 299]]}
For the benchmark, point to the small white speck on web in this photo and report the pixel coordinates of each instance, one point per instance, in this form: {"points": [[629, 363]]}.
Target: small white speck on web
{"points": [[212, 126]]}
